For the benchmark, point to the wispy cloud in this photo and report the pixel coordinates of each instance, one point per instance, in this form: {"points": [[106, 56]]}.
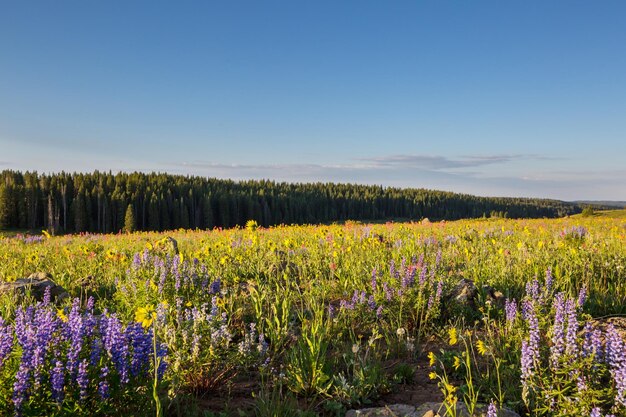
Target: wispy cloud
{"points": [[387, 162], [461, 174], [438, 163]]}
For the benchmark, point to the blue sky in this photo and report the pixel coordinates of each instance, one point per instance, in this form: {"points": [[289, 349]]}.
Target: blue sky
{"points": [[489, 98]]}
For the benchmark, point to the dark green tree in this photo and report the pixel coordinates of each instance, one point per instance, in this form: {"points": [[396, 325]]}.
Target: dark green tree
{"points": [[129, 219]]}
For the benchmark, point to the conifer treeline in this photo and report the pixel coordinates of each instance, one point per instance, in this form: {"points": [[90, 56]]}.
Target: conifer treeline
{"points": [[103, 202]]}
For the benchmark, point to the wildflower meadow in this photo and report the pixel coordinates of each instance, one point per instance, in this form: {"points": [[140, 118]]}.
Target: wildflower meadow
{"points": [[494, 314]]}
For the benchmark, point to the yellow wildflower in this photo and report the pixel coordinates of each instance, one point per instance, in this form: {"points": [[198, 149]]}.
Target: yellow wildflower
{"points": [[145, 316], [432, 375], [61, 315], [453, 336], [431, 359], [480, 345], [457, 362]]}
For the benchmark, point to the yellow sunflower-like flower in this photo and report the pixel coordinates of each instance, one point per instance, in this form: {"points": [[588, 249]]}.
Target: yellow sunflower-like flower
{"points": [[482, 348], [431, 359], [145, 315], [61, 315], [457, 362], [452, 333], [432, 375]]}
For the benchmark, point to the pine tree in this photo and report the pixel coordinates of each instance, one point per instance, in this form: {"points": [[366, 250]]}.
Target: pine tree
{"points": [[129, 219]]}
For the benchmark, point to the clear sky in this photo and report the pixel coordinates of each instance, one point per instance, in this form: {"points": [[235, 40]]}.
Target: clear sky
{"points": [[491, 98]]}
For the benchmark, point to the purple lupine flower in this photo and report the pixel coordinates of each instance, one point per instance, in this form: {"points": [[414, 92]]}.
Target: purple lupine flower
{"points": [[439, 291], [581, 384], [492, 411], [530, 349], [423, 273], [371, 303], [115, 345], [82, 379], [161, 314], [136, 261], [549, 281], [596, 412], [161, 355], [141, 343], [593, 342], [451, 239], [575, 232], [619, 377], [162, 277], [526, 308], [571, 347], [103, 385], [510, 310], [46, 297], [90, 304], [175, 270], [6, 340], [331, 310], [388, 291], [21, 387], [379, 312], [74, 333], [392, 269], [615, 348], [558, 331], [262, 346], [57, 381], [215, 286], [438, 259], [532, 291], [42, 326], [406, 279]]}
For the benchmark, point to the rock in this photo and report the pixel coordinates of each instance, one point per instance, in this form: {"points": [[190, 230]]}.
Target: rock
{"points": [[168, 244], [439, 409], [494, 296], [431, 409], [464, 293], [393, 410], [619, 323], [37, 284]]}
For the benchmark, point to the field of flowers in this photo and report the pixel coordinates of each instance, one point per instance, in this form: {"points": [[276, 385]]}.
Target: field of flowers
{"points": [[314, 320]]}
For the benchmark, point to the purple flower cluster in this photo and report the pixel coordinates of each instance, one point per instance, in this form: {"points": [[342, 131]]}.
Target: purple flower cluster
{"points": [[6, 340], [574, 232], [65, 355], [253, 342], [567, 348], [360, 298], [558, 330], [28, 239], [170, 273], [530, 349], [510, 310]]}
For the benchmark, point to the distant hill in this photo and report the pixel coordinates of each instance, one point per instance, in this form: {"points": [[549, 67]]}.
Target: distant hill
{"points": [[106, 202], [619, 204]]}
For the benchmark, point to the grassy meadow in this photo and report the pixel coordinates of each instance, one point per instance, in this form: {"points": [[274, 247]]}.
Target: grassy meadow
{"points": [[315, 320]]}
